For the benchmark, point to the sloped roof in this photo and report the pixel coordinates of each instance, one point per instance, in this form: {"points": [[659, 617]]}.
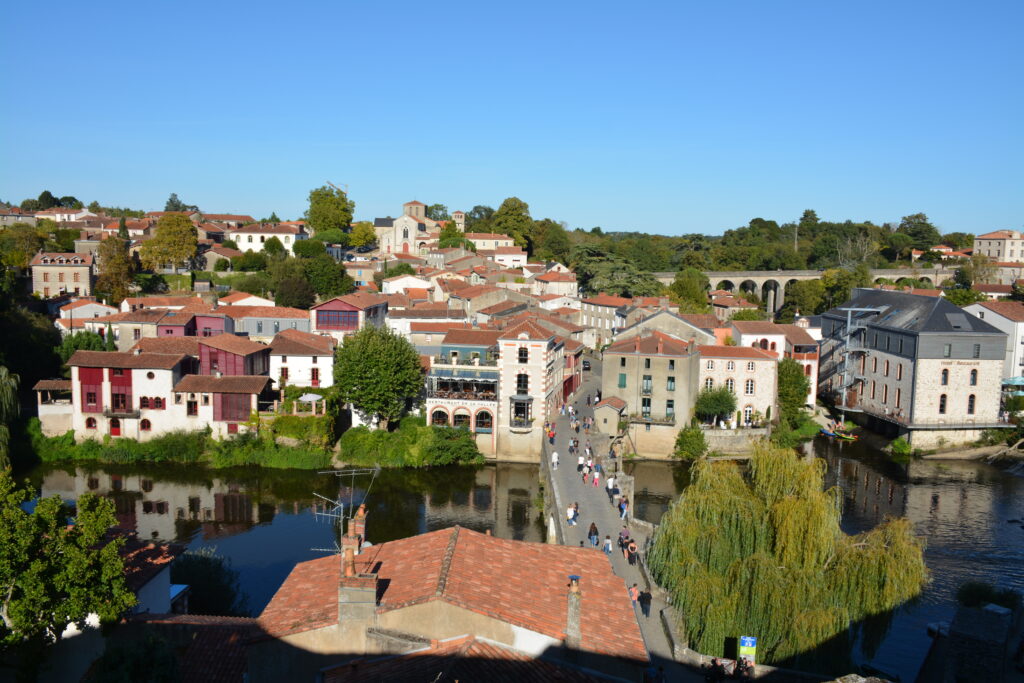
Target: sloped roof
{"points": [[999, 235], [215, 649], [235, 311], [555, 276], [531, 329], [298, 343], [52, 385], [470, 337], [603, 299], [1011, 310], [758, 327], [358, 299], [435, 328], [233, 344], [232, 297], [746, 352], [913, 313], [85, 302], [265, 229], [44, 258], [227, 384], [731, 302], [188, 346], [612, 402], [476, 572], [702, 321], [127, 360], [650, 343]]}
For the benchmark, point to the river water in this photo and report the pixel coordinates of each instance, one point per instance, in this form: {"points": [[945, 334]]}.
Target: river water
{"points": [[266, 521]]}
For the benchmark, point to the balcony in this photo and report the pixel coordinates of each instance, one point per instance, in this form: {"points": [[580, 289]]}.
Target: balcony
{"points": [[650, 418], [123, 413], [646, 391], [464, 362], [521, 425], [464, 390]]}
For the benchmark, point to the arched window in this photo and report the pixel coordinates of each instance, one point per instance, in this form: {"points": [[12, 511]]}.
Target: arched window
{"points": [[945, 377], [405, 233], [709, 383], [730, 385], [158, 403], [970, 404], [974, 378], [484, 421], [439, 417], [942, 403], [145, 425], [772, 346], [730, 365], [90, 423], [764, 344], [750, 366], [749, 387], [144, 402], [461, 420], [807, 370]]}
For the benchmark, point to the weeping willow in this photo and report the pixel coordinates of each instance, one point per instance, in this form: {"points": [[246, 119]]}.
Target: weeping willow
{"points": [[761, 553]]}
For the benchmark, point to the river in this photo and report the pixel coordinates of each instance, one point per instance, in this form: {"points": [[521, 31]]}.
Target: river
{"points": [[265, 521]]}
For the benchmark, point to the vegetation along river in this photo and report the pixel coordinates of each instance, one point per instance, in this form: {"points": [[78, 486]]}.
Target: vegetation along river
{"points": [[265, 520]]}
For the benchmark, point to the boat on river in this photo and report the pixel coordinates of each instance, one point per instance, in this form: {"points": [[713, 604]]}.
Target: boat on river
{"points": [[839, 435]]}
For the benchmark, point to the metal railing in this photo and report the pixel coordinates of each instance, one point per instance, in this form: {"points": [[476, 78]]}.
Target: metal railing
{"points": [[465, 362]]}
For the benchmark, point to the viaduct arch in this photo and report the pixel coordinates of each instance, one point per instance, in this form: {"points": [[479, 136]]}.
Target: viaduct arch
{"points": [[770, 285]]}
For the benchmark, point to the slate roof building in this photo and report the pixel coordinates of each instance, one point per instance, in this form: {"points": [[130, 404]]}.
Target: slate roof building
{"points": [[915, 366]]}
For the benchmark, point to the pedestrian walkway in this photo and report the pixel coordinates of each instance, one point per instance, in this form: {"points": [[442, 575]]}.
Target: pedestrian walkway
{"points": [[595, 507]]}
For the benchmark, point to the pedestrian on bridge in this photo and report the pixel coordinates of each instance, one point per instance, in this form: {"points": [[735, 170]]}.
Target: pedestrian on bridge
{"points": [[554, 460], [597, 475], [593, 535], [608, 545], [610, 487], [570, 516], [623, 507], [579, 463]]}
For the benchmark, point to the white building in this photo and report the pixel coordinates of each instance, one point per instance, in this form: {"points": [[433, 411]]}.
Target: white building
{"points": [[301, 359], [1008, 317], [253, 237], [749, 373], [1001, 245]]}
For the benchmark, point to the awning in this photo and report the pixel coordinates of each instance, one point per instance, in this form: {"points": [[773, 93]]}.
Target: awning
{"points": [[306, 398], [1014, 381]]}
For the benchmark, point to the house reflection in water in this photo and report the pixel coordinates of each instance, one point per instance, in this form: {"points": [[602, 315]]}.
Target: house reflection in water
{"points": [[501, 499]]}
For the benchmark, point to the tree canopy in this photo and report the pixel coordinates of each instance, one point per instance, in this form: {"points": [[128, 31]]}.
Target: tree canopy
{"points": [[175, 204], [294, 292], [363, 234], [919, 229], [52, 573], [117, 269], [378, 372], [792, 392], [513, 219], [715, 404], [175, 242], [9, 411], [764, 555], [689, 291], [329, 209]]}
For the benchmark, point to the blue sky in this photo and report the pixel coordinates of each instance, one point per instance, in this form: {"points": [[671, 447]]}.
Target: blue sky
{"points": [[670, 117]]}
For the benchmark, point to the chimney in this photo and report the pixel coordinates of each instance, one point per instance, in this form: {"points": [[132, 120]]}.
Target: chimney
{"points": [[572, 619], [357, 599], [358, 525]]}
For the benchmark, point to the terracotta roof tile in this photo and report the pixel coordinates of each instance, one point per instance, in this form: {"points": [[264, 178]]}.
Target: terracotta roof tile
{"points": [[228, 384], [298, 343], [126, 360], [52, 385], [188, 346], [650, 343], [472, 337], [264, 312], [711, 351], [359, 300], [612, 401], [233, 344], [703, 321], [44, 258], [434, 328], [531, 329], [1011, 310], [603, 299]]}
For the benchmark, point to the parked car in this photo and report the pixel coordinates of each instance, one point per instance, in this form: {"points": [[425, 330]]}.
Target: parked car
{"points": [[364, 249], [586, 366]]}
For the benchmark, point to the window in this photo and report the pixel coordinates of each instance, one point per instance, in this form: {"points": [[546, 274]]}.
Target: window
{"points": [[119, 401], [90, 398], [886, 371], [150, 375], [749, 387], [750, 366], [647, 363], [144, 402], [942, 404], [206, 399], [730, 385], [46, 277], [873, 390], [524, 354], [977, 351], [970, 404], [158, 403], [622, 362], [945, 378], [898, 393], [709, 383], [622, 380], [259, 327], [670, 385], [947, 350], [118, 372], [60, 277], [899, 371], [730, 365], [974, 378], [145, 425], [710, 365], [136, 334], [874, 365], [90, 423], [484, 421], [671, 365], [314, 359], [670, 408], [337, 320], [522, 383], [645, 407], [887, 338], [647, 384], [901, 345], [885, 394], [192, 408], [177, 399]]}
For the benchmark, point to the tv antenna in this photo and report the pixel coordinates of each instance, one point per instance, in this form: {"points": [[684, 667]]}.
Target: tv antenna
{"points": [[334, 511]]}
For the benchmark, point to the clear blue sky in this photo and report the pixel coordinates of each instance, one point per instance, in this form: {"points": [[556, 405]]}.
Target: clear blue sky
{"points": [[669, 117]]}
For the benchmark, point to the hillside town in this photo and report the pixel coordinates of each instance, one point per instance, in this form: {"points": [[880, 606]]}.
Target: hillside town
{"points": [[517, 352]]}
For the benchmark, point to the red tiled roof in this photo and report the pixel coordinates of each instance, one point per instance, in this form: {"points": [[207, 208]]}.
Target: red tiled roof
{"points": [[531, 329], [143, 561], [797, 335], [703, 321], [360, 300], [85, 302], [233, 344], [226, 252], [479, 573], [241, 218], [52, 385], [188, 346], [731, 302], [612, 401], [603, 299], [710, 351], [649, 344], [298, 343], [432, 328], [214, 649], [998, 235], [232, 297], [414, 203], [980, 287], [463, 658], [497, 308], [555, 276], [471, 337], [163, 301], [55, 258], [417, 293], [474, 291], [1011, 310], [264, 312], [126, 360], [228, 384], [472, 236], [758, 327], [265, 229]]}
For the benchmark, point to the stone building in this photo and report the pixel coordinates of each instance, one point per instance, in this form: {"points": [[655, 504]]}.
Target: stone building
{"points": [[54, 274], [531, 370], [912, 365], [1001, 245], [749, 373]]}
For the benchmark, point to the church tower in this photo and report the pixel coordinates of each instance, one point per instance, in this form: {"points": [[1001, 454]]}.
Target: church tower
{"points": [[460, 220]]}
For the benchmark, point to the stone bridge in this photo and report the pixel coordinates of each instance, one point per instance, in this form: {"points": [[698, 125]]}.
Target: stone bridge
{"points": [[770, 285]]}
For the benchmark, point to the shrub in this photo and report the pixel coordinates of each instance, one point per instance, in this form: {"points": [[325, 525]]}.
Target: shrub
{"points": [[412, 444], [691, 444], [715, 403], [313, 431]]}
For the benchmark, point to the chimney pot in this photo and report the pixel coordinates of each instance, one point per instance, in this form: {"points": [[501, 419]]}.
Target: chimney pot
{"points": [[573, 637], [350, 562]]}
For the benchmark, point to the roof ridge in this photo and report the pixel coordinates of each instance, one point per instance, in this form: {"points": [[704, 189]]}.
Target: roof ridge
{"points": [[446, 563]]}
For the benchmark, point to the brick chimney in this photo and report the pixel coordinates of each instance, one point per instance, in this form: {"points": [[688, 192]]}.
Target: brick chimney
{"points": [[572, 619], [357, 600], [358, 525]]}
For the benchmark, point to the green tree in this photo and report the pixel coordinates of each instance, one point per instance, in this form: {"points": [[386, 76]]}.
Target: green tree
{"points": [[230, 244], [690, 443], [273, 219], [175, 204], [309, 248], [52, 573], [47, 200], [391, 271], [689, 290], [294, 292], [254, 283], [715, 404], [95, 207], [213, 583], [551, 241], [920, 230], [9, 411], [122, 228], [438, 212], [327, 277], [765, 554], [977, 269], [174, 242], [329, 208], [513, 219], [964, 297], [333, 236], [958, 240], [792, 392], [249, 262], [748, 314], [379, 373], [117, 272], [273, 247], [84, 341], [805, 297], [451, 238], [362, 234], [70, 202]]}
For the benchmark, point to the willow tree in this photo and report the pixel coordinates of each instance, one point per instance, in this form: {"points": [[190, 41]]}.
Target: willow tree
{"points": [[8, 413], [761, 553]]}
